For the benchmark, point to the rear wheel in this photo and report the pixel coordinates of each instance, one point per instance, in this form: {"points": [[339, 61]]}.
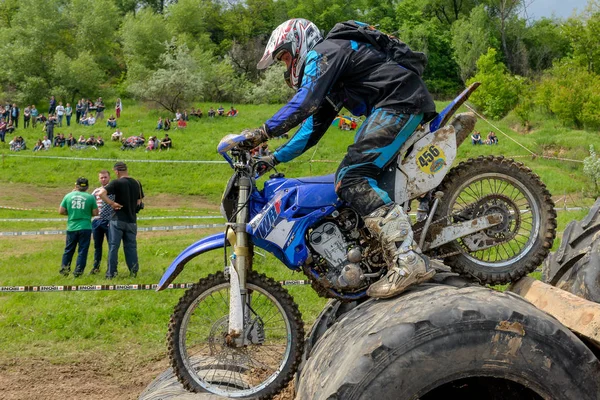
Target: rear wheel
{"points": [[515, 247], [198, 349]]}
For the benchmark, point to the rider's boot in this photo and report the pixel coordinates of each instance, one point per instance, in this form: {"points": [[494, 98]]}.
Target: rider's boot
{"points": [[406, 265]]}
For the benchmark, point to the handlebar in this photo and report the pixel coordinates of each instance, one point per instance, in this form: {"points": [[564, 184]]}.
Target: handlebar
{"points": [[230, 144]]}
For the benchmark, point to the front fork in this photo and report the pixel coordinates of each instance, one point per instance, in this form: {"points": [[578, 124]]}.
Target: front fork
{"points": [[241, 263]]}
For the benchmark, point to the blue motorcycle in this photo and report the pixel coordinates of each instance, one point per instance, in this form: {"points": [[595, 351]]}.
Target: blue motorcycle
{"points": [[239, 334]]}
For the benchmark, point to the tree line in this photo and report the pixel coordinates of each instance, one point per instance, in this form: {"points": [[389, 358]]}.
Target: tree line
{"points": [[172, 52]]}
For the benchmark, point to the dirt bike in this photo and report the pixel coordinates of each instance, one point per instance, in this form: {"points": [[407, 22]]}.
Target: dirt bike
{"points": [[239, 333]]}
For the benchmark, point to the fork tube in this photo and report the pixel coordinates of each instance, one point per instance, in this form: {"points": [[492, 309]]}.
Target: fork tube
{"points": [[242, 251], [237, 296]]}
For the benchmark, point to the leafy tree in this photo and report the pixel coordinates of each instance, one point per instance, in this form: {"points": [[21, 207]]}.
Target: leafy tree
{"points": [[74, 78], [324, 13], [499, 91], [222, 83], [244, 57], [505, 14], [96, 32], [38, 31], [144, 36], [545, 43], [173, 85], [572, 93], [430, 36], [448, 11], [270, 89], [8, 9], [470, 39], [584, 34], [380, 13], [194, 18]]}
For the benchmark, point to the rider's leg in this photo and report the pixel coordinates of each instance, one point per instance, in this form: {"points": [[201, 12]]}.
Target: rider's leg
{"points": [[376, 144]]}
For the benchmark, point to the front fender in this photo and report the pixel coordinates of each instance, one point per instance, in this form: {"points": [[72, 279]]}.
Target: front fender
{"points": [[202, 246]]}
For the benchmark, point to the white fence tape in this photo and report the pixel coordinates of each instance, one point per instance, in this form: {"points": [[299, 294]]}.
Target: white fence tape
{"points": [[140, 229], [115, 159]]}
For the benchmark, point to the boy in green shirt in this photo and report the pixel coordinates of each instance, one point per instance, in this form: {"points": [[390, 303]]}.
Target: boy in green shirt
{"points": [[80, 207]]}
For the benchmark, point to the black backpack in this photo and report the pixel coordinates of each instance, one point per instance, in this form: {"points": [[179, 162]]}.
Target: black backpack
{"points": [[396, 50]]}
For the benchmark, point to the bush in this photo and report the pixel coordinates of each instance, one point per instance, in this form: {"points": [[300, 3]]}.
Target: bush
{"points": [[499, 91], [572, 93]]}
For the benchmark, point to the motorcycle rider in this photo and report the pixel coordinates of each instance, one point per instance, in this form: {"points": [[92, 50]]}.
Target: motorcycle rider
{"points": [[329, 73]]}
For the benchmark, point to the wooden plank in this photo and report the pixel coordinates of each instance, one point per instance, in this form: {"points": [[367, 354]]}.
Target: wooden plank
{"points": [[579, 315]]}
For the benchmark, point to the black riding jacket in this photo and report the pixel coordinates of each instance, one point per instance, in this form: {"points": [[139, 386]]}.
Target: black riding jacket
{"points": [[351, 74]]}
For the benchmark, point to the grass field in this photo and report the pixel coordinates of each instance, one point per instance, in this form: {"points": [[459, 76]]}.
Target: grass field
{"points": [[111, 345]]}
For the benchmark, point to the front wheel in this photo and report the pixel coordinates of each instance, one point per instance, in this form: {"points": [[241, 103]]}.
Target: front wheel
{"points": [[515, 247], [273, 329]]}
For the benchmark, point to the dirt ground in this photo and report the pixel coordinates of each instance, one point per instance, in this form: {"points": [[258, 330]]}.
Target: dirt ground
{"points": [[90, 378]]}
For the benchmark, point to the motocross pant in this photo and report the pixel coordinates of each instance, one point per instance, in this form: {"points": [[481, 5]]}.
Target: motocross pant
{"points": [[376, 145]]}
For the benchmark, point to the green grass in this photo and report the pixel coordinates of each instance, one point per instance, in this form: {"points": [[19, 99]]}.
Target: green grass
{"points": [[65, 325]]}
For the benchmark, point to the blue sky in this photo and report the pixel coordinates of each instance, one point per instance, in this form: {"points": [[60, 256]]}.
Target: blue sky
{"points": [[560, 8]]}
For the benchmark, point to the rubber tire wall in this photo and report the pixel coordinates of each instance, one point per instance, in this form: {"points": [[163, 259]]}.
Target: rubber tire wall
{"points": [[260, 280], [496, 275], [435, 334]]}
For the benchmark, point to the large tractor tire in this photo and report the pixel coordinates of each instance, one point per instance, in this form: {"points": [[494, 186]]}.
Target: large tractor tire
{"points": [[575, 266], [439, 341]]}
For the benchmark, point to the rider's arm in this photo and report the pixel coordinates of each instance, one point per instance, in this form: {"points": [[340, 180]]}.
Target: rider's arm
{"points": [[323, 69], [308, 135]]}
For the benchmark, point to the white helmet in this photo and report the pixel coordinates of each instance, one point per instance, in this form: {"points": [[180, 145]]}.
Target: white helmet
{"points": [[298, 36]]}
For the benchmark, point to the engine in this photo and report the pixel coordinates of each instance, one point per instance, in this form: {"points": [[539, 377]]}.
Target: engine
{"points": [[342, 253]]}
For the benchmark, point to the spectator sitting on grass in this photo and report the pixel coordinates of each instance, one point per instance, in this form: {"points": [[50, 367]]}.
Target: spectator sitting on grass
{"points": [[167, 124], [166, 142], [18, 144], [232, 112], [181, 124], [221, 111], [59, 140], [88, 121], [211, 112], [151, 144], [185, 116], [476, 138], [492, 138], [81, 141], [91, 141], [99, 141], [159, 124], [10, 127], [41, 119], [38, 145], [116, 136], [111, 122], [133, 142], [71, 140], [47, 143]]}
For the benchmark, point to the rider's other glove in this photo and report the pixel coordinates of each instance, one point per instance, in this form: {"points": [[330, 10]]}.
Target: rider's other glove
{"points": [[254, 137], [264, 164]]}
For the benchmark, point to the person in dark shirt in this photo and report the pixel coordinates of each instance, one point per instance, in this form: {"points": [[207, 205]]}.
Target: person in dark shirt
{"points": [[128, 194], [331, 73]]}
